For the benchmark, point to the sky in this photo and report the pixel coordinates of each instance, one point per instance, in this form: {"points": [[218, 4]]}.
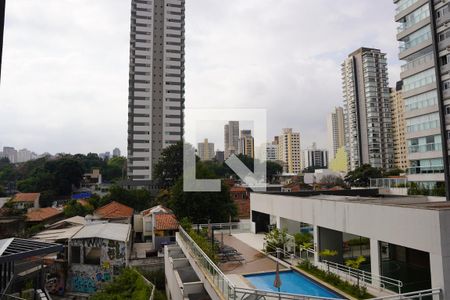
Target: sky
{"points": [[65, 66]]}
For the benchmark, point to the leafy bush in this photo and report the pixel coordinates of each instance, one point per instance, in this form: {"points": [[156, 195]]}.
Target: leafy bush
{"points": [[333, 279], [128, 285]]}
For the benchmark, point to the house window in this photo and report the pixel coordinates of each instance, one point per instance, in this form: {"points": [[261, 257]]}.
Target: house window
{"points": [[92, 256], [75, 254], [444, 60]]}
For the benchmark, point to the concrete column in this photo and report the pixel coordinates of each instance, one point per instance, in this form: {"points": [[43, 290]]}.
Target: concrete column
{"points": [[316, 243], [278, 218], [375, 257], [439, 267]]}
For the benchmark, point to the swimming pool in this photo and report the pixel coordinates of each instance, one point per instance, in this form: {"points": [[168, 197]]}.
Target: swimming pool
{"points": [[291, 282]]}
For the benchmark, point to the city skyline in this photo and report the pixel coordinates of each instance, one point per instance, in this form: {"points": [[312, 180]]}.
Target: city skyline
{"points": [[313, 64]]}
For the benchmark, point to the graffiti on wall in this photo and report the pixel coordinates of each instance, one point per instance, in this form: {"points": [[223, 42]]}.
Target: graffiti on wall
{"points": [[88, 279]]}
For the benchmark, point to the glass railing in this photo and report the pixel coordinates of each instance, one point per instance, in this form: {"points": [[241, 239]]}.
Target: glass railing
{"points": [[419, 17], [417, 62], [425, 148], [426, 170], [404, 4], [421, 38]]}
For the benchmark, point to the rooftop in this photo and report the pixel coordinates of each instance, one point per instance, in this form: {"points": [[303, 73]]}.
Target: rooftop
{"points": [[13, 249], [26, 197], [114, 210], [42, 214], [165, 222], [107, 231], [53, 235], [418, 202], [155, 209]]}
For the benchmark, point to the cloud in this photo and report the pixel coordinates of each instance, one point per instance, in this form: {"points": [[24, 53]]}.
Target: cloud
{"points": [[65, 78]]}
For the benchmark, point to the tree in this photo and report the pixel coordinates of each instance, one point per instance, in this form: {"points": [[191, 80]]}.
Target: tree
{"points": [[114, 169], [361, 176], [201, 207], [303, 239], [276, 238], [355, 264], [326, 254], [170, 165], [393, 172], [74, 208], [137, 199], [332, 180], [273, 169]]}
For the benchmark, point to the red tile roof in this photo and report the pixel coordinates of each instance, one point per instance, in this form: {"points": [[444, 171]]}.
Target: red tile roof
{"points": [[238, 189], [42, 214], [114, 210], [166, 222], [26, 197]]}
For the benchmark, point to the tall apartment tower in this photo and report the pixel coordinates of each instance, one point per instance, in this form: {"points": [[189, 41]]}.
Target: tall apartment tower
{"points": [[156, 83], [206, 150], [231, 138], [2, 30], [247, 143], [367, 113], [289, 151], [335, 128], [398, 126], [315, 158], [424, 37]]}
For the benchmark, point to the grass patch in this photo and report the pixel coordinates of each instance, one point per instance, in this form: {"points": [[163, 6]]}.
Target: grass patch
{"points": [[353, 290]]}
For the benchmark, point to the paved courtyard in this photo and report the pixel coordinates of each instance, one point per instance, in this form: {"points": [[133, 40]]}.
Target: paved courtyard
{"points": [[255, 261]]}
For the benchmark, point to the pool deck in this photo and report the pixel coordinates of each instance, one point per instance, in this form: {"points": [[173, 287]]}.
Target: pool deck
{"points": [[255, 261]]}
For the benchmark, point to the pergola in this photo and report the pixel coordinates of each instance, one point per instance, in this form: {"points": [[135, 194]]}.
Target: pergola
{"points": [[13, 250]]}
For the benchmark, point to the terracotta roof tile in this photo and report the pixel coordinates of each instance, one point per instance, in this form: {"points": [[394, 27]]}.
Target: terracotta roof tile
{"points": [[26, 197], [114, 210], [42, 214], [166, 222]]}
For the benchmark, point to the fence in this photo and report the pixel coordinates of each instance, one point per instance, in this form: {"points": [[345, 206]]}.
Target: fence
{"points": [[229, 226]]}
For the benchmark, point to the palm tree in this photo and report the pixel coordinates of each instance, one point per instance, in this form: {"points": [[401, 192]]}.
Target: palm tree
{"points": [[355, 264]]}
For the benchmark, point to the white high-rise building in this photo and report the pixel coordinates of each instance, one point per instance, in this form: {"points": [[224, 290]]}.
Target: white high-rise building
{"points": [[367, 113], [289, 151], [10, 153], [156, 83], [315, 158], [335, 128], [271, 152], [231, 138], [24, 155], [116, 152]]}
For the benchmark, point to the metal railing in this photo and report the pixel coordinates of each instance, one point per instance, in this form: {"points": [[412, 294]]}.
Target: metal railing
{"points": [[242, 293], [230, 226], [412, 295], [363, 276], [150, 284]]}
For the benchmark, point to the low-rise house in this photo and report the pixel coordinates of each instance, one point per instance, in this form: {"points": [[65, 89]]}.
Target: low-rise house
{"points": [[156, 225], [241, 198], [97, 252], [26, 200], [114, 212], [45, 215], [92, 179]]}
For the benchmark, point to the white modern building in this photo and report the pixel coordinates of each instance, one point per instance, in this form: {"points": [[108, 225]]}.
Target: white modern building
{"points": [[335, 131], [367, 113], [417, 253], [24, 155], [315, 158], [156, 83], [271, 152], [10, 153]]}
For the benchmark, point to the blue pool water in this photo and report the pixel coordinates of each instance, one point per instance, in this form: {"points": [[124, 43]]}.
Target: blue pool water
{"points": [[291, 282]]}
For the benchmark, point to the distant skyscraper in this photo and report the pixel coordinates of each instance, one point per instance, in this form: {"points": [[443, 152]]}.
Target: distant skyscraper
{"points": [[220, 156], [116, 152], [2, 29], [315, 158], [10, 153], [289, 151], [336, 133], [156, 83], [424, 36], [367, 113], [231, 138], [247, 143], [24, 155], [398, 127], [271, 152], [205, 150]]}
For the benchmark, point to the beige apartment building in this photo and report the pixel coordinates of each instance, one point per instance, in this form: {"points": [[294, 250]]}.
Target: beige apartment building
{"points": [[247, 144], [335, 128], [398, 127], [205, 150], [289, 151]]}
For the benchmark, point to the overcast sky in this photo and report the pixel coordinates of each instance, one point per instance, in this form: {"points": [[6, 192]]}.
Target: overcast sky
{"points": [[65, 74]]}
